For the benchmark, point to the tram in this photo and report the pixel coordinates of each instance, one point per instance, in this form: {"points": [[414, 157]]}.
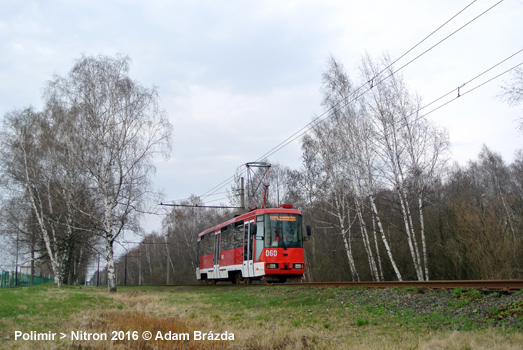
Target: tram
{"points": [[263, 244]]}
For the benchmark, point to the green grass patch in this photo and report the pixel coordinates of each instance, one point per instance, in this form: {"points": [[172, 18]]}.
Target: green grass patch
{"points": [[22, 304], [362, 322]]}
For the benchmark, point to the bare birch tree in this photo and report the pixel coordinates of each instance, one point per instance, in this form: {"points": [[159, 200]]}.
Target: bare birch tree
{"points": [[410, 147], [356, 143], [115, 129], [377, 141]]}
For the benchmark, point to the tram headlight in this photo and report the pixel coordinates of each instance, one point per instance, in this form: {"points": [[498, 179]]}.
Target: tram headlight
{"points": [[271, 265], [298, 266]]}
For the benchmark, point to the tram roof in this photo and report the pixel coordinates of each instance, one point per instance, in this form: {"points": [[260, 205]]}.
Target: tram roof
{"points": [[252, 214]]}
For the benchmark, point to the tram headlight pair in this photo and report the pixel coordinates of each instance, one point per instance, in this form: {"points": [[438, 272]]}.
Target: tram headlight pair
{"points": [[271, 265], [298, 266]]}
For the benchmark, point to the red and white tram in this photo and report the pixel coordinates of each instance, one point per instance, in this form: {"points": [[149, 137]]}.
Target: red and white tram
{"points": [[261, 244]]}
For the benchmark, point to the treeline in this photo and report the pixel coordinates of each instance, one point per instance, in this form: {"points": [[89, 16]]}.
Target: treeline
{"points": [[472, 227], [384, 201], [472, 218]]}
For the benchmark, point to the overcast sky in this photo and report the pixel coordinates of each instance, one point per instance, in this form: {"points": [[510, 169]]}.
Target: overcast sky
{"points": [[238, 77]]}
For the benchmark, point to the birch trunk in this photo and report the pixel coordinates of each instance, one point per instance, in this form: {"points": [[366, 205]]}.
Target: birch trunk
{"points": [[366, 243], [384, 239], [342, 212], [378, 256], [348, 251], [111, 276], [407, 220], [423, 239]]}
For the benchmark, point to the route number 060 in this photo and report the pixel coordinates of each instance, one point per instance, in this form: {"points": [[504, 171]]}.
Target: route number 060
{"points": [[271, 252]]}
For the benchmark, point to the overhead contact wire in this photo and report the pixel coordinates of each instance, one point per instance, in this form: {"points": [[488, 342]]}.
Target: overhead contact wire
{"points": [[341, 104]]}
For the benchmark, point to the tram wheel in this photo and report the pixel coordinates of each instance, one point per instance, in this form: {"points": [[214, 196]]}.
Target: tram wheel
{"points": [[237, 278]]}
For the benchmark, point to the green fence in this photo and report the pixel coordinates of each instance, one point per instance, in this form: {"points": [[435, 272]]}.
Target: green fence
{"points": [[9, 279]]}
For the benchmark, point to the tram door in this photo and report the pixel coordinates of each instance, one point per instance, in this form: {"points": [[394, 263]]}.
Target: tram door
{"points": [[216, 255], [248, 244]]}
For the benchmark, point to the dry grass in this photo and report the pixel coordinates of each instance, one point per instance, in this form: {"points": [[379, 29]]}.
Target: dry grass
{"points": [[135, 321], [489, 340], [260, 319]]}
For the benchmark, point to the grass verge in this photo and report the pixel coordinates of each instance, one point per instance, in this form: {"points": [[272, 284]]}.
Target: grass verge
{"points": [[266, 317]]}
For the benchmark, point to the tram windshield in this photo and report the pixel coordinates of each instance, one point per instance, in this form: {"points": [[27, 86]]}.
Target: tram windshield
{"points": [[283, 230]]}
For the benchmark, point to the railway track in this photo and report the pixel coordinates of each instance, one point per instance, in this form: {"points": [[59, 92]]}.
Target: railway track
{"points": [[488, 285], [494, 285]]}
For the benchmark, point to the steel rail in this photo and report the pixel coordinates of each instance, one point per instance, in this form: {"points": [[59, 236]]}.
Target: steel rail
{"points": [[493, 285], [504, 285]]}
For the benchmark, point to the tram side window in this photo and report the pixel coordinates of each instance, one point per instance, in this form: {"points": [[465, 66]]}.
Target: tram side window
{"points": [[226, 238], [208, 243], [237, 234], [202, 245]]}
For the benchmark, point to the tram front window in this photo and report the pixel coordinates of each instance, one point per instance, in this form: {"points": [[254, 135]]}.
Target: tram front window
{"points": [[283, 230]]}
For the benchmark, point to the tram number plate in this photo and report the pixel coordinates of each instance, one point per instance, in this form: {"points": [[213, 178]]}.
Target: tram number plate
{"points": [[271, 252]]}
